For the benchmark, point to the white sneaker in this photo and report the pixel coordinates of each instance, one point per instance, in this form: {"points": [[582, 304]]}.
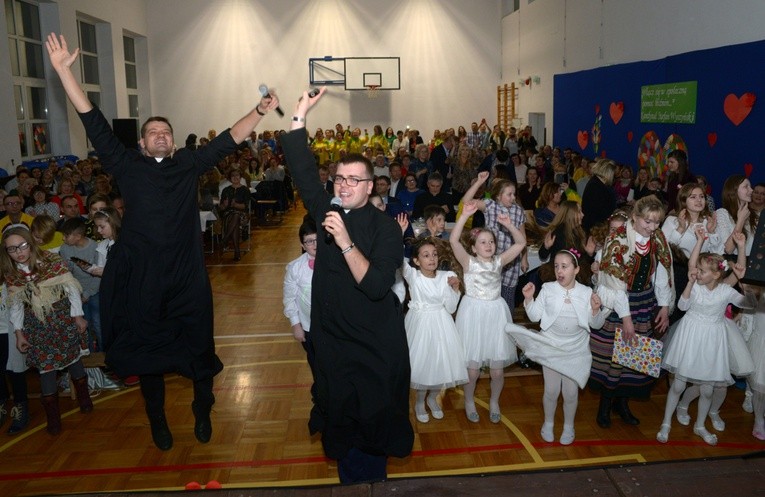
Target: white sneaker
{"points": [[547, 432], [747, 405], [567, 437]]}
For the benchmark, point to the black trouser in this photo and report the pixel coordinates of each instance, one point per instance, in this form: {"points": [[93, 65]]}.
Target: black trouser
{"points": [[153, 390], [358, 466], [18, 380]]}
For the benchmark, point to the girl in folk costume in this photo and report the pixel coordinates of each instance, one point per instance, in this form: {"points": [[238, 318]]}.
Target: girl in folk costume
{"points": [[698, 350], [47, 316], [567, 309], [635, 280]]}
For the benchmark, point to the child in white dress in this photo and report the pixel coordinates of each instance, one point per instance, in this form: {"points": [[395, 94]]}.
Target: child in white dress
{"points": [[435, 351], [567, 309], [698, 350], [483, 313]]}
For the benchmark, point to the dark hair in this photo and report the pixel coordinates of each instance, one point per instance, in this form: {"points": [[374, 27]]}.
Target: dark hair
{"points": [[417, 246], [432, 211], [503, 155], [384, 178], [436, 176], [155, 119], [74, 225], [355, 158], [307, 228]]}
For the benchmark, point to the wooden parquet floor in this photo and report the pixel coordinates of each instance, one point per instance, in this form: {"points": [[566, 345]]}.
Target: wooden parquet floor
{"points": [[260, 437]]}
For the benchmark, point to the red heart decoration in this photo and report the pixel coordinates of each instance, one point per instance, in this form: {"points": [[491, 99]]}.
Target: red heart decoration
{"points": [[712, 138], [748, 169], [630, 135], [736, 109], [582, 137], [597, 108], [617, 111], [603, 154]]}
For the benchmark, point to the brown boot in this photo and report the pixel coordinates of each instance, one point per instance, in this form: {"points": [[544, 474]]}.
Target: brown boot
{"points": [[52, 412], [83, 395]]}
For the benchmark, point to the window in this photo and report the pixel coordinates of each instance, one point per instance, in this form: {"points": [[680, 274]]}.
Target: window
{"points": [[131, 75], [91, 82], [29, 89]]}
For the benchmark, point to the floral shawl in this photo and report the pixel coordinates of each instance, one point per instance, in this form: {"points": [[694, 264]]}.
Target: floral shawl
{"points": [[43, 288]]}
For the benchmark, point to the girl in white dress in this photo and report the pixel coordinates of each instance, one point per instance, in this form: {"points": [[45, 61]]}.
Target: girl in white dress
{"points": [[567, 309], [483, 313], [435, 350], [698, 350]]}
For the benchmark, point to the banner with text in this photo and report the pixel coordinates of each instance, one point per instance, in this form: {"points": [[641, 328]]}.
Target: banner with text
{"points": [[668, 103]]}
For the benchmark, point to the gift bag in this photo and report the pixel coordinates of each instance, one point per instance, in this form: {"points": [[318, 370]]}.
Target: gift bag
{"points": [[644, 358]]}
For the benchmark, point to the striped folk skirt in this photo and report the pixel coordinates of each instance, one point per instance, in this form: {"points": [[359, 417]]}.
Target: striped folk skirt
{"points": [[614, 380]]}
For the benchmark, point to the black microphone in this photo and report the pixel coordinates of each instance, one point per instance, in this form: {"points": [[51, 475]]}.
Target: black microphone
{"points": [[336, 204], [264, 93]]}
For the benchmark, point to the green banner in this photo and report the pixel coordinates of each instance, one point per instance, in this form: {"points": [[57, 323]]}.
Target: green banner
{"points": [[668, 103]]}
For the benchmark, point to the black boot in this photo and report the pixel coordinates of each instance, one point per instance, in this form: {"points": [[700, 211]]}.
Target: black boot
{"points": [[604, 412], [160, 432], [622, 408], [83, 394], [202, 422], [52, 413]]}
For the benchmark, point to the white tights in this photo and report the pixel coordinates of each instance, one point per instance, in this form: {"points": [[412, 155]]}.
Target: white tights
{"points": [[758, 403], [715, 401], [555, 383], [497, 382]]}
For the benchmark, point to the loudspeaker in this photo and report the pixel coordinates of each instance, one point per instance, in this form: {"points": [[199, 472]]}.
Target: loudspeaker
{"points": [[126, 131]]}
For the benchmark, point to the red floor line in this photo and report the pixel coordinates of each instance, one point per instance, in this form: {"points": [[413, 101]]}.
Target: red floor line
{"points": [[319, 459]]}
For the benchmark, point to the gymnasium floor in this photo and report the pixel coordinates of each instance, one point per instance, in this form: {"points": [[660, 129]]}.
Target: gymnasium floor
{"points": [[260, 439]]}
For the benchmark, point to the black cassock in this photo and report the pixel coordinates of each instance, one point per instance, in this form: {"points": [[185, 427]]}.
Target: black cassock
{"points": [[156, 300], [362, 357]]}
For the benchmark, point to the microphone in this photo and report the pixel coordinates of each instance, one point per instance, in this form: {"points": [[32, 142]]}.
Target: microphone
{"points": [[264, 93], [336, 204]]}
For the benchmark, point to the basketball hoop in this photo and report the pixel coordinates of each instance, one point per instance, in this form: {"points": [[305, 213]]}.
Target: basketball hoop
{"points": [[373, 91]]}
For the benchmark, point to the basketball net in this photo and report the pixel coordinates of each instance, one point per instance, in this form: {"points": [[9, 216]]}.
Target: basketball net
{"points": [[373, 91]]}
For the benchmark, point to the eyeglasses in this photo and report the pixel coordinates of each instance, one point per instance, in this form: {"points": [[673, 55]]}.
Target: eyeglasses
{"points": [[310, 241], [349, 181], [12, 249]]}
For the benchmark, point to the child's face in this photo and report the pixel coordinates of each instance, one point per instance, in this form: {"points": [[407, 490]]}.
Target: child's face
{"points": [[485, 247], [507, 196], [706, 273], [565, 270], [377, 202], [39, 197], [309, 244], [74, 239], [436, 224], [19, 250], [654, 185], [427, 258], [615, 224], [97, 206], [104, 228]]}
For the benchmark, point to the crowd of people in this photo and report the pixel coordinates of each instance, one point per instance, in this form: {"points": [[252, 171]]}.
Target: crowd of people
{"points": [[624, 256]]}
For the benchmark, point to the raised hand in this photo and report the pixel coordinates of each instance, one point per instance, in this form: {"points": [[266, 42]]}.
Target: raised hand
{"points": [[693, 274], [743, 212], [549, 239], [470, 207], [682, 220], [700, 232], [307, 101], [591, 246], [712, 223], [595, 302], [60, 58], [403, 221], [453, 282], [528, 291], [739, 270], [739, 239], [483, 176]]}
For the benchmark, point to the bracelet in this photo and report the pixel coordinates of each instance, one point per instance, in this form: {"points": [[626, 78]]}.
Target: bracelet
{"points": [[257, 109], [348, 248], [298, 119]]}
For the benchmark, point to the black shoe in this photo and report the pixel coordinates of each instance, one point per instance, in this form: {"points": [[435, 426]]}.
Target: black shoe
{"points": [[621, 407], [20, 416], [604, 413], [160, 432], [202, 422]]}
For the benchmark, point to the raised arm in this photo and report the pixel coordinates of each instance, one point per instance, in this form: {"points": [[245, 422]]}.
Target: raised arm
{"points": [[242, 129], [470, 193], [519, 240], [462, 256], [693, 259], [62, 61]]}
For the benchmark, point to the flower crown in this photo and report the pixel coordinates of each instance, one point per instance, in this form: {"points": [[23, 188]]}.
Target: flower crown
{"points": [[723, 266]]}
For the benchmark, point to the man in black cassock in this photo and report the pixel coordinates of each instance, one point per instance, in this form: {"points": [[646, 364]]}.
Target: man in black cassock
{"points": [[362, 358], [156, 300]]}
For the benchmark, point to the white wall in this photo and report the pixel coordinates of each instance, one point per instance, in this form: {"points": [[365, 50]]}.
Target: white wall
{"points": [[208, 58], [549, 37]]}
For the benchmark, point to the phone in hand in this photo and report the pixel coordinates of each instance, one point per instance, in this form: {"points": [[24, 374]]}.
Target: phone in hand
{"points": [[82, 263]]}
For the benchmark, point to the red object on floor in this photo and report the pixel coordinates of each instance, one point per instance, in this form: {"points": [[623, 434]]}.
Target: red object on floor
{"points": [[213, 485], [192, 485], [131, 381]]}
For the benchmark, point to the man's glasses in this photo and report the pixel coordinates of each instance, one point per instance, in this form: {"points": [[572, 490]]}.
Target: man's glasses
{"points": [[338, 180], [310, 241], [12, 249]]}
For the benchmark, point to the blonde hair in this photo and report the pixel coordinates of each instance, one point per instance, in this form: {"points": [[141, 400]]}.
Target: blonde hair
{"points": [[604, 169]]}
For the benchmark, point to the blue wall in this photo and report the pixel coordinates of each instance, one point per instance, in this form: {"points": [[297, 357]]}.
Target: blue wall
{"points": [[734, 69]]}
